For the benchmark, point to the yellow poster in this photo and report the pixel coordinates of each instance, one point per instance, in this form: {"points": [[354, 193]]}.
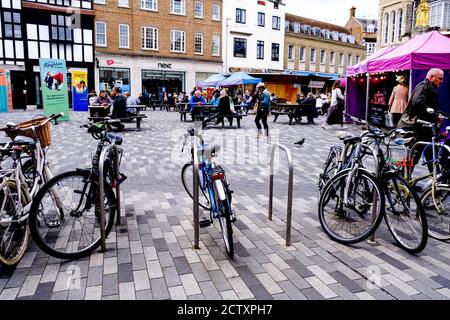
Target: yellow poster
{"points": [[80, 90]]}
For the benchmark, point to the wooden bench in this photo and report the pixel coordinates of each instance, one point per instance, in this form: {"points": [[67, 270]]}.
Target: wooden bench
{"points": [[295, 111], [230, 118], [128, 119], [290, 114]]}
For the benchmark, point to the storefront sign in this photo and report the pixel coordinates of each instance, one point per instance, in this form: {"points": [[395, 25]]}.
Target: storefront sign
{"points": [[316, 84], [5, 91], [165, 65], [80, 91], [54, 87]]}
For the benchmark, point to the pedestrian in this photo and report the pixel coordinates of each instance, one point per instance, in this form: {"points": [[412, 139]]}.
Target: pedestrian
{"points": [[335, 113], [143, 100], [399, 99], [119, 107], [130, 102], [263, 109]]}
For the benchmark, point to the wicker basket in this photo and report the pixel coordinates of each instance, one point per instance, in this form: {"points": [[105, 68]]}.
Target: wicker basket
{"points": [[43, 133]]}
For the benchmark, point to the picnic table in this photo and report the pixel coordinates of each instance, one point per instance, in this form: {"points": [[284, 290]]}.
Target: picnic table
{"points": [[185, 108], [293, 111], [130, 118]]}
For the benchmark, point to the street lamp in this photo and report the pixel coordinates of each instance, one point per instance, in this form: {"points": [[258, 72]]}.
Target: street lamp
{"points": [[226, 45]]}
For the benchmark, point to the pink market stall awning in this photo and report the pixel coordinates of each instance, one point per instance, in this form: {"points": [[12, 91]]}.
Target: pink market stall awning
{"points": [[362, 67], [430, 50], [239, 78]]}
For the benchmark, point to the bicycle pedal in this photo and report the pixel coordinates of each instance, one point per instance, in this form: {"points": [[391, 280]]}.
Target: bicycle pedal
{"points": [[53, 224], [205, 223], [118, 182]]}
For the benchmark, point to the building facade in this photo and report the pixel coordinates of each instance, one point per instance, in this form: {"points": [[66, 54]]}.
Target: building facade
{"points": [[395, 22], [440, 14], [364, 31], [151, 46], [253, 33], [31, 29], [316, 46]]}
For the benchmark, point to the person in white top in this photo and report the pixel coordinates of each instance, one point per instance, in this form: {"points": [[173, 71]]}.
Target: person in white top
{"points": [[335, 113], [320, 100]]}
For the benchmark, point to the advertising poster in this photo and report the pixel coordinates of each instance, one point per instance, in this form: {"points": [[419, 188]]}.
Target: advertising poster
{"points": [[80, 100], [5, 91], [54, 87]]}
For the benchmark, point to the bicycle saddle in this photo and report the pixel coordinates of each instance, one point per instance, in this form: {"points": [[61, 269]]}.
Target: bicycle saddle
{"points": [[24, 140], [342, 135], [210, 150], [113, 138]]}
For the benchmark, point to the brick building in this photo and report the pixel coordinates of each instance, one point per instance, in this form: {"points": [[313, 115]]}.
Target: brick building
{"points": [[151, 46], [316, 46], [364, 31]]}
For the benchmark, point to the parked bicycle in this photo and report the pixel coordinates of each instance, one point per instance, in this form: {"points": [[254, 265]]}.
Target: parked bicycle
{"points": [[20, 183], [355, 200], [70, 229], [215, 195]]}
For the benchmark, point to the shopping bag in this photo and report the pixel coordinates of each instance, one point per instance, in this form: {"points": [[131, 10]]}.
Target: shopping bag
{"points": [[389, 120]]}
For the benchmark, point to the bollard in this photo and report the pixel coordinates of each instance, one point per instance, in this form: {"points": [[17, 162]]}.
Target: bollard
{"points": [[195, 192], [290, 189]]}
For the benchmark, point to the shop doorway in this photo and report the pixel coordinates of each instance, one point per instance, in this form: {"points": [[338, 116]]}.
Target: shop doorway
{"points": [[155, 83], [19, 89]]}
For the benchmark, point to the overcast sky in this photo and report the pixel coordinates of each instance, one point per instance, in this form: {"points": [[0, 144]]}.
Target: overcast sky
{"points": [[333, 11]]}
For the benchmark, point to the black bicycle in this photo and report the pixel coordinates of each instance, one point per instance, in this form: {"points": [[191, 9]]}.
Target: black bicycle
{"points": [[65, 216]]}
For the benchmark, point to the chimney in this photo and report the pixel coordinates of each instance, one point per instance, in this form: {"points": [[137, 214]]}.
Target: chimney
{"points": [[352, 12]]}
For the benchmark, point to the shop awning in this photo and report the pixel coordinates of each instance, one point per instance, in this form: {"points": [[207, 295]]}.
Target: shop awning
{"points": [[328, 76], [239, 78]]}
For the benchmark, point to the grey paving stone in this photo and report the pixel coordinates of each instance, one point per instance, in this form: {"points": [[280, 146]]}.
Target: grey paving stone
{"points": [[138, 261], [125, 272], [159, 289], [95, 276], [144, 295], [110, 285], [260, 292], [182, 265], [171, 276], [209, 290], [346, 282]]}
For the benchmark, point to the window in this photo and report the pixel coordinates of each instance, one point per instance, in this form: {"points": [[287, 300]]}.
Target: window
{"points": [[332, 58], [350, 60], [260, 50], [123, 3], [151, 5], [124, 36], [436, 15], [370, 47], [149, 38], [100, 1], [198, 9], [393, 26], [312, 57], [358, 59], [240, 48], [216, 12], [177, 41], [386, 27], [261, 19], [216, 45], [290, 52], [198, 43], [178, 7], [240, 15], [446, 18], [100, 33], [400, 23], [322, 57], [302, 54], [275, 52], [276, 21], [371, 28], [12, 25], [341, 59]]}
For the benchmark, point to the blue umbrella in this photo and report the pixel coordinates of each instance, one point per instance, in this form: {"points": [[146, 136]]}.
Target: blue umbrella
{"points": [[239, 78], [212, 81]]}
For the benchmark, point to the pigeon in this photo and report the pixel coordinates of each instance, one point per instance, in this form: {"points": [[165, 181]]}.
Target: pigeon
{"points": [[300, 142]]}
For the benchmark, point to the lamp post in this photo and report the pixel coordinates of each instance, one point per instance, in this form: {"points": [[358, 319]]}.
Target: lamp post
{"points": [[226, 45]]}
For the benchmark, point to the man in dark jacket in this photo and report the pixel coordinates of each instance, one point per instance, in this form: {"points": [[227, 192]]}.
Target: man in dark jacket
{"points": [[119, 107]]}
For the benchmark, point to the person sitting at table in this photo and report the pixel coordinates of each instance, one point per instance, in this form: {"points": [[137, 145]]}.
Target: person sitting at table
{"points": [[215, 99], [247, 101], [119, 107], [130, 102], [143, 100], [309, 107], [102, 100], [196, 103], [224, 107]]}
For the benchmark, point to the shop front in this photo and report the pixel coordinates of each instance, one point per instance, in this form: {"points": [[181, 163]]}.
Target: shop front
{"points": [[155, 82]]}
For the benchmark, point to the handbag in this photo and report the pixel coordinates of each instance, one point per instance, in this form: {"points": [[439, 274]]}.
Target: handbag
{"points": [[232, 106], [389, 120], [255, 107]]}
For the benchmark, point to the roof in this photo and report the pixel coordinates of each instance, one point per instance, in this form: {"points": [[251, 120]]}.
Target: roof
{"points": [[316, 23]]}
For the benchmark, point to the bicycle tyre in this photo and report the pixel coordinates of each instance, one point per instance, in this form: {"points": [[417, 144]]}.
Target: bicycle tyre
{"points": [[22, 227], [410, 231], [336, 186], [203, 197], [35, 220], [226, 227], [329, 166], [435, 219]]}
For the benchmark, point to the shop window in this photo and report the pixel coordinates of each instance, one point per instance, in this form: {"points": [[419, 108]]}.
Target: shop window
{"points": [[114, 77], [240, 48]]}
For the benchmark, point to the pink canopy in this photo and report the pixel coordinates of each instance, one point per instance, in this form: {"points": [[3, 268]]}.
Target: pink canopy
{"points": [[430, 50], [362, 67]]}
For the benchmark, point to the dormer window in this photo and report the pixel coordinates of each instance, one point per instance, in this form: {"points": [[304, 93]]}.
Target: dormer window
{"points": [[370, 28]]}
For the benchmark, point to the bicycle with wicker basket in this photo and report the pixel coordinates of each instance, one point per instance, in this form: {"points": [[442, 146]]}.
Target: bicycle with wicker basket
{"points": [[20, 183]]}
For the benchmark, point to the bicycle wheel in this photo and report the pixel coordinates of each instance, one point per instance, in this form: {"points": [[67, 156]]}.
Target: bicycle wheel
{"points": [[437, 212], [358, 219], [330, 169], [404, 214], [224, 217], [14, 235], [64, 216], [187, 179]]}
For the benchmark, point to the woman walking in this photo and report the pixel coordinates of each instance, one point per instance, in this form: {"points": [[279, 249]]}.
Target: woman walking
{"points": [[263, 109], [399, 99], [335, 113]]}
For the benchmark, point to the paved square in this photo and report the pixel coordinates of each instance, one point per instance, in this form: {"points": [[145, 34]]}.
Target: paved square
{"points": [[150, 254]]}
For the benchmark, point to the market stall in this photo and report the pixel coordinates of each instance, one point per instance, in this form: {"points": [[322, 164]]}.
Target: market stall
{"points": [[412, 60]]}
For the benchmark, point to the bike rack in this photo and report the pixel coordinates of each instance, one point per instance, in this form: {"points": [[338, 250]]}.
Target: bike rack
{"points": [[102, 159], [195, 192], [276, 146]]}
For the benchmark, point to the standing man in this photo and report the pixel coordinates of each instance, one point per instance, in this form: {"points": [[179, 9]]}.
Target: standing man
{"points": [[119, 106], [263, 109]]}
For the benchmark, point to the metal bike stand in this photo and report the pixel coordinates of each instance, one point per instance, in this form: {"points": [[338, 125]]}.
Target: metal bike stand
{"points": [[102, 159], [195, 193], [290, 189]]}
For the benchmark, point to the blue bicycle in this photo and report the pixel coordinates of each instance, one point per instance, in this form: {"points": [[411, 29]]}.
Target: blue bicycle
{"points": [[215, 195]]}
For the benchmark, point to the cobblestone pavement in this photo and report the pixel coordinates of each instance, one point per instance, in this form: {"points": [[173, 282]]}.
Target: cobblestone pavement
{"points": [[150, 255]]}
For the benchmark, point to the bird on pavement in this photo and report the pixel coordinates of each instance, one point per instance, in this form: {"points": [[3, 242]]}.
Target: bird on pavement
{"points": [[300, 142]]}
